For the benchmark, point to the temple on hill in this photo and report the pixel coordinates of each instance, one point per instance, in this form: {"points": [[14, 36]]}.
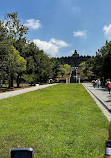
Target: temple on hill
{"points": [[73, 60], [75, 54]]}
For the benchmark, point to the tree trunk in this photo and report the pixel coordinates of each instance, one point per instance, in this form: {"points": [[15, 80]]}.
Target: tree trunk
{"points": [[18, 81], [11, 81], [0, 83]]}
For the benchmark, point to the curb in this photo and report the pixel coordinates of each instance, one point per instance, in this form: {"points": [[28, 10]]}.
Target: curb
{"points": [[106, 111]]}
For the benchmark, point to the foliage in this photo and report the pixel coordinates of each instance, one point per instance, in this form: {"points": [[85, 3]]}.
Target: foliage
{"points": [[38, 63], [59, 121], [11, 31], [85, 70], [44, 67], [3, 50], [101, 63], [15, 29], [13, 50], [29, 78], [56, 68], [15, 63], [3, 57], [65, 69], [3, 32]]}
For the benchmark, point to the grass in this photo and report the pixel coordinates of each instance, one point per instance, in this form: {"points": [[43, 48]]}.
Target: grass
{"points": [[61, 121]]}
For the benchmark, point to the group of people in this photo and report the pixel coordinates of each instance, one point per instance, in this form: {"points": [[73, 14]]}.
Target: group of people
{"points": [[96, 83]]}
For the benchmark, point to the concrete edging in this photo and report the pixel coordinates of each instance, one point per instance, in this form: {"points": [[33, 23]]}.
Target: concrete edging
{"points": [[105, 110]]}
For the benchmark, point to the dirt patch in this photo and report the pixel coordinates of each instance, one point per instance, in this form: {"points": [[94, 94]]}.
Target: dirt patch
{"points": [[6, 89]]}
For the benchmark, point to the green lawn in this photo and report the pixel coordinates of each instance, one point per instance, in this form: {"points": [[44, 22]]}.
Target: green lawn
{"points": [[61, 121]]}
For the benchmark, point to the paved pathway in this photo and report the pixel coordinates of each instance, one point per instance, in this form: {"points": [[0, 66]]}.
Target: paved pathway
{"points": [[21, 91], [102, 98]]}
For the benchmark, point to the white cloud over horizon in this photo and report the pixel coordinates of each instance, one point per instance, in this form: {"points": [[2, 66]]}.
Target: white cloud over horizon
{"points": [[59, 43], [52, 47], [33, 23], [80, 34], [107, 32]]}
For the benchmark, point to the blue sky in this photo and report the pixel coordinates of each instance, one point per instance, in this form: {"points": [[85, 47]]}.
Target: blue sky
{"points": [[61, 26]]}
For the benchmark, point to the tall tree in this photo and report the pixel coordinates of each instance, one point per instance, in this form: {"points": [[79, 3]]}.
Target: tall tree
{"points": [[101, 63], [38, 63], [16, 32], [56, 67], [43, 68], [3, 50], [15, 64]]}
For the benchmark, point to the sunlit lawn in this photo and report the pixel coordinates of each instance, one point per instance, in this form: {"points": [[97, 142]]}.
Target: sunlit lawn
{"points": [[61, 121]]}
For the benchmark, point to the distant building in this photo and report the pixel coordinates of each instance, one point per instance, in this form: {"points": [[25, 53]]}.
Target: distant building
{"points": [[75, 55], [74, 60]]}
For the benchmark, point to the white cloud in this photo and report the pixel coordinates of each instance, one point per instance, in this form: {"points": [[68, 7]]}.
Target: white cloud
{"points": [[107, 31], [33, 24], [80, 34], [48, 47], [52, 47], [59, 43]]}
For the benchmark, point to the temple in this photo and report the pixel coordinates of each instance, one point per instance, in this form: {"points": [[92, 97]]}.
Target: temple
{"points": [[73, 60], [75, 54]]}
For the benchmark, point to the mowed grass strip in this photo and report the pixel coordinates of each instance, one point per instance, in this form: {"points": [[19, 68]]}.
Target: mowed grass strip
{"points": [[61, 121]]}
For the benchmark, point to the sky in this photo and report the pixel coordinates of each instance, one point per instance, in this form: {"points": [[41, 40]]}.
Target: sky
{"points": [[61, 26]]}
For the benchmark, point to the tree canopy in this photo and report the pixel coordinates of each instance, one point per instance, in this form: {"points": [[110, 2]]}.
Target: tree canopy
{"points": [[21, 59], [100, 65]]}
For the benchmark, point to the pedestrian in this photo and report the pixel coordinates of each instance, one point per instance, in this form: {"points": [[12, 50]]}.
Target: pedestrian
{"points": [[109, 86], [98, 83], [94, 83]]}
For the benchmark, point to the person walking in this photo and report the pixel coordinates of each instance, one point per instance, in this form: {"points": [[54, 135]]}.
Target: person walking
{"points": [[94, 83], [109, 86], [98, 83]]}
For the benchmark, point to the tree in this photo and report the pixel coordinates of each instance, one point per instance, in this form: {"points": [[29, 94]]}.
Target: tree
{"points": [[43, 67], [16, 32], [38, 63], [3, 50], [56, 68], [88, 68], [64, 70], [20, 68], [106, 56], [30, 53], [101, 63], [15, 64], [3, 32]]}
